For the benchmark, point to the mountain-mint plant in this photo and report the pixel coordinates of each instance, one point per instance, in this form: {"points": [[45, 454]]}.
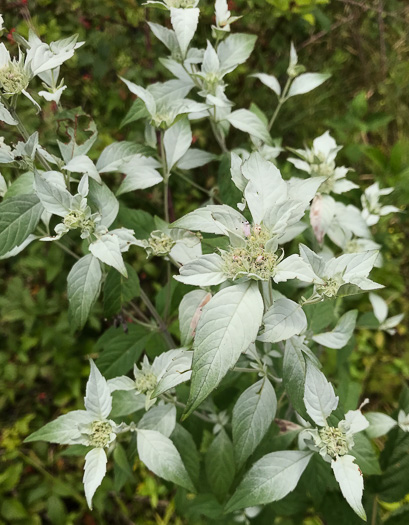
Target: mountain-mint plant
{"points": [[264, 284]]}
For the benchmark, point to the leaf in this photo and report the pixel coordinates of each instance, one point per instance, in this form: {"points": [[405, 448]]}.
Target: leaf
{"points": [[184, 23], [94, 472], [341, 334], [294, 369], [319, 397], [283, 320], [206, 270], [247, 121], [19, 217], [380, 308], [351, 482], [64, 430], [162, 457], [83, 164], [136, 112], [177, 371], [55, 199], [190, 310], [98, 400], [235, 50], [379, 424], [307, 82], [252, 416], [6, 116], [107, 250], [269, 81], [229, 323], [160, 418], [365, 455], [104, 200], [114, 155], [269, 479], [219, 464], [141, 173], [84, 281], [118, 290], [195, 158], [294, 267], [121, 350], [186, 446], [126, 402], [122, 468], [177, 140]]}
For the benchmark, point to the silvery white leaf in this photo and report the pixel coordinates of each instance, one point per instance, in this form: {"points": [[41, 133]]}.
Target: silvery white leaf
{"points": [[190, 310], [53, 197], [265, 187], [249, 122], [235, 50], [184, 23], [393, 321], [83, 164], [141, 173], [307, 82], [341, 334], [176, 68], [5, 116], [84, 282], [379, 424], [270, 479], [269, 81], [351, 482], [403, 421], [237, 177], [283, 320], [98, 400], [194, 158], [211, 63], [165, 35], [294, 267], [316, 262], [319, 397], [94, 472], [121, 383], [107, 250], [143, 94], [64, 430], [126, 238], [17, 249], [116, 154], [253, 414], [177, 140], [178, 371], [161, 457], [228, 324], [104, 200], [206, 270], [160, 418], [380, 308], [219, 219]]}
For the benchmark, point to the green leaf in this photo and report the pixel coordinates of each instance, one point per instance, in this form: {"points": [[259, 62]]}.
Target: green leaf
{"points": [[219, 464], [84, 281], [365, 455], [141, 222], [228, 324], [394, 460], [162, 457], [119, 291], [121, 350], [122, 469], [186, 446], [270, 479], [19, 217], [294, 375], [252, 415], [136, 112]]}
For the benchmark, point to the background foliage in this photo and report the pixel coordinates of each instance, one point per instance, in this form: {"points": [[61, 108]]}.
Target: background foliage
{"points": [[43, 368]]}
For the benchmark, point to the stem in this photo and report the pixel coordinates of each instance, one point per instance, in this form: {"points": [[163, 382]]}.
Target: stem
{"points": [[219, 138], [158, 319], [201, 416], [281, 101], [267, 293], [165, 178]]}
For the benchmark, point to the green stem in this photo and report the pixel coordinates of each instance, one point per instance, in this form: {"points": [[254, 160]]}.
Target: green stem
{"points": [[281, 101], [165, 178], [219, 138], [160, 322], [201, 416]]}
